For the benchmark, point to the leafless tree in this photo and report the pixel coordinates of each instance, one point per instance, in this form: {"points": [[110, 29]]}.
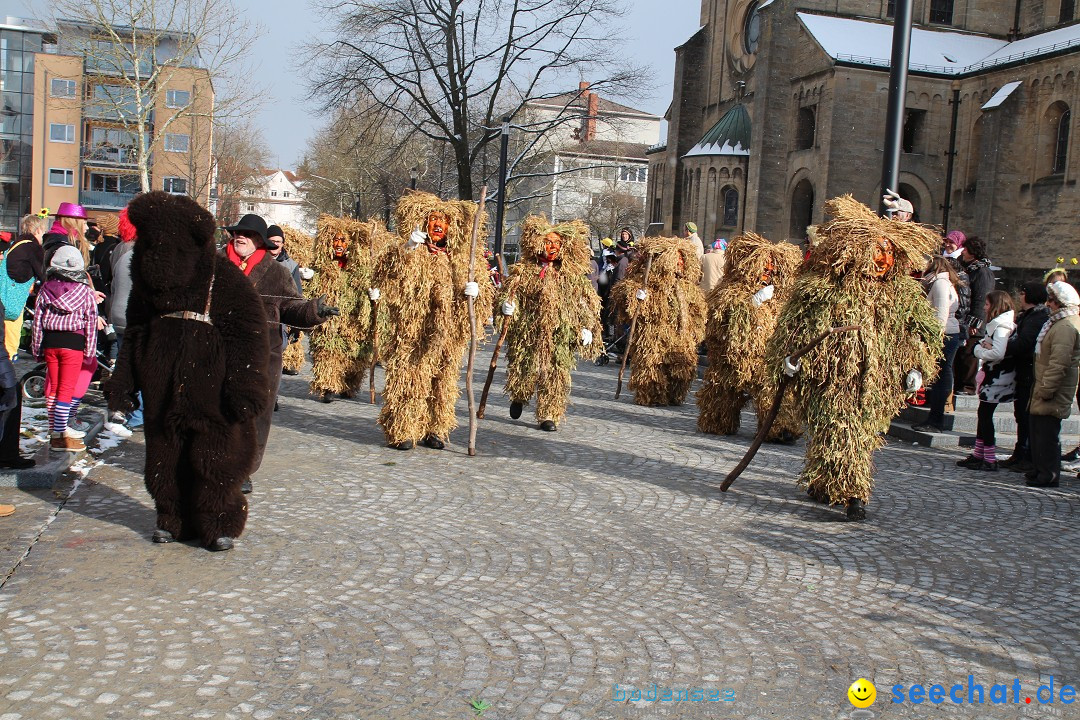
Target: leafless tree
{"points": [[134, 48], [450, 69], [239, 151]]}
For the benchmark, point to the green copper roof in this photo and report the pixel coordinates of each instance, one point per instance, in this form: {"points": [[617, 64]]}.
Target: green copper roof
{"points": [[729, 136]]}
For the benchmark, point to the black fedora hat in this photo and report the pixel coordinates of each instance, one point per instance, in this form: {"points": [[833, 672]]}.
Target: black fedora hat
{"points": [[251, 223]]}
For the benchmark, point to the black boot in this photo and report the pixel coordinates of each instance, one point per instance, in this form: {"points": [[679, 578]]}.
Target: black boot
{"points": [[548, 425], [326, 397], [515, 409], [856, 510], [405, 445], [245, 487], [433, 442], [163, 536], [287, 371], [221, 544]]}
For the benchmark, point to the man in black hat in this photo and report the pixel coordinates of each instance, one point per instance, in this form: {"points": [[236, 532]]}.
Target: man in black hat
{"points": [[248, 249]]}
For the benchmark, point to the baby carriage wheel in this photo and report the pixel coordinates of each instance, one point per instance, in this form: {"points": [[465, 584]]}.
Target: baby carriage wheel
{"points": [[603, 359], [33, 384]]}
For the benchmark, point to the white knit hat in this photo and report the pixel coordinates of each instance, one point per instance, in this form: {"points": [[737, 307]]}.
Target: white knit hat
{"points": [[67, 257], [1064, 293]]}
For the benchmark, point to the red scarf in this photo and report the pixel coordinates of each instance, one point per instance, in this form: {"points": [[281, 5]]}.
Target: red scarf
{"points": [[246, 264]]}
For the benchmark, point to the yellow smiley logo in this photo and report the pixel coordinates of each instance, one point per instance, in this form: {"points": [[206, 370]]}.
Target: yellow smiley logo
{"points": [[862, 693]]}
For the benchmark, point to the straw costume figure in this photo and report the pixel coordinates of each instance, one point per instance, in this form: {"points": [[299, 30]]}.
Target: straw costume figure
{"points": [[341, 349], [553, 312], [424, 284], [743, 308], [299, 247], [851, 385], [671, 319]]}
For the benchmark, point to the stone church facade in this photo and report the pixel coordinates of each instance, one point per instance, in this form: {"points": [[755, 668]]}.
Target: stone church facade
{"points": [[780, 105]]}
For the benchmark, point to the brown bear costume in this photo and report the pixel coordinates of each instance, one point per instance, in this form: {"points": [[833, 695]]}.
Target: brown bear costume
{"points": [[196, 346]]}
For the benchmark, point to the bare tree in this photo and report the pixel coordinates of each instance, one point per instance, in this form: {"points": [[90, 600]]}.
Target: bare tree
{"points": [[135, 48], [239, 151], [450, 69]]}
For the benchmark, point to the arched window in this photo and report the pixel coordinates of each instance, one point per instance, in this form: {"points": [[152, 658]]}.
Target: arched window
{"points": [[1061, 145], [909, 193], [802, 209], [974, 153], [730, 199], [805, 128], [1068, 8]]}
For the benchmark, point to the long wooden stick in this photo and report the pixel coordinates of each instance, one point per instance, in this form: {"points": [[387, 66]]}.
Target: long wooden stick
{"points": [[472, 324], [374, 328], [633, 326], [498, 346], [778, 397]]}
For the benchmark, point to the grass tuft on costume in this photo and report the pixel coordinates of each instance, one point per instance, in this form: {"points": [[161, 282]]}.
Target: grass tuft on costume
{"points": [[671, 320], [737, 331], [298, 245], [422, 289], [851, 385], [554, 302]]}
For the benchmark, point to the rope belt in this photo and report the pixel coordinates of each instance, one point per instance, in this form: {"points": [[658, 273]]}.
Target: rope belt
{"points": [[203, 317]]}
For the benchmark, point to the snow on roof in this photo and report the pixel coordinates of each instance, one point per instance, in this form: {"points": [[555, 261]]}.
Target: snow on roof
{"points": [[1041, 44], [870, 43], [1001, 95]]}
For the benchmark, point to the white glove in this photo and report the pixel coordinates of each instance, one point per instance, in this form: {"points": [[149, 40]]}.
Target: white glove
{"points": [[306, 273], [764, 295], [641, 294], [472, 290], [891, 200], [508, 307], [586, 336], [791, 369], [374, 294], [417, 238], [913, 381]]}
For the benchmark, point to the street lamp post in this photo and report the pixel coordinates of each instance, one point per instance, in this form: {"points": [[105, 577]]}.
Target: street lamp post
{"points": [[894, 116], [500, 208], [412, 177]]}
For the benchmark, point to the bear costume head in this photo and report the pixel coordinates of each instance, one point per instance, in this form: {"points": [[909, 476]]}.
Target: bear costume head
{"points": [[173, 258]]}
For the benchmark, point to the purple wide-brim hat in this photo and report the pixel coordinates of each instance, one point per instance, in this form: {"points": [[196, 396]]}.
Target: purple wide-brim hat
{"points": [[71, 210]]}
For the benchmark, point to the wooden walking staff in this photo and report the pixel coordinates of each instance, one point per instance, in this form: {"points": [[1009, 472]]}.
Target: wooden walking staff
{"points": [[472, 324], [374, 329], [766, 424], [633, 326], [495, 354]]}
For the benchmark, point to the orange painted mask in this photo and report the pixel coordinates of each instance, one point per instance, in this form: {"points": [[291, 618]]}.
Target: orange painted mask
{"points": [[340, 246], [767, 273], [552, 247], [883, 257], [680, 264], [437, 224]]}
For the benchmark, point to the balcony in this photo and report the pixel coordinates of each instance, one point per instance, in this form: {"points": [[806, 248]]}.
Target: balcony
{"points": [[99, 199], [107, 65], [110, 156]]}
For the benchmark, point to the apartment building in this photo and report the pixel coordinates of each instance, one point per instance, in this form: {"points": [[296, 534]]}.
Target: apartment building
{"points": [[86, 147]]}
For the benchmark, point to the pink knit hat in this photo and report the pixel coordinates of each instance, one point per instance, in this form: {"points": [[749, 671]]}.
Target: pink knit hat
{"points": [[957, 238]]}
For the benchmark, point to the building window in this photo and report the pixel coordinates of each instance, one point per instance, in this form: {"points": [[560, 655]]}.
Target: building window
{"points": [[731, 207], [59, 132], [633, 174], [1068, 8], [128, 184], [273, 193], [752, 30], [61, 177], [941, 11], [175, 186], [176, 142], [251, 208], [1061, 143], [177, 98], [62, 88], [914, 120], [890, 9], [286, 193], [805, 128]]}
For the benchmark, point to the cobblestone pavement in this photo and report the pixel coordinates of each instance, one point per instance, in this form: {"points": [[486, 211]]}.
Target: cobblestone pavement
{"points": [[373, 583]]}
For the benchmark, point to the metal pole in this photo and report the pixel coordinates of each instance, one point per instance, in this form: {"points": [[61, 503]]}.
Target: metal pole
{"points": [[947, 205], [894, 117], [500, 210]]}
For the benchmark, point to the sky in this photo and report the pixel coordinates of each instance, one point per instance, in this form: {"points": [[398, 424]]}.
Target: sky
{"points": [[653, 29]]}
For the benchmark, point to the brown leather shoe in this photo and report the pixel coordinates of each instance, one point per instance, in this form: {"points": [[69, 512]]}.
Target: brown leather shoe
{"points": [[64, 443]]}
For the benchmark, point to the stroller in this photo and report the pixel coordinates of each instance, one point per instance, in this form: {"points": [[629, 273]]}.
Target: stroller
{"points": [[32, 383], [610, 349]]}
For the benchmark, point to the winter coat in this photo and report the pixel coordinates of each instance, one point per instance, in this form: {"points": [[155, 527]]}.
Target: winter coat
{"points": [[1056, 369], [293, 267], [100, 257], [282, 302], [9, 385], [65, 306], [981, 280], [1021, 345], [56, 237], [943, 296], [712, 270], [120, 260], [999, 371], [26, 261]]}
